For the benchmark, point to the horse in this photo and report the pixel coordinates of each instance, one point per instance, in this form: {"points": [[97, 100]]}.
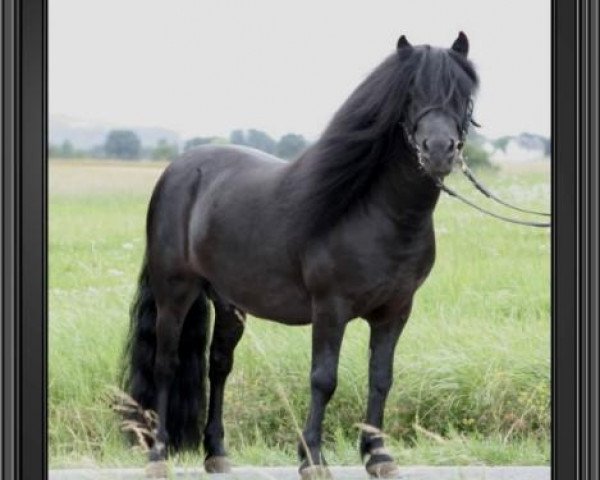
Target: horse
{"points": [[343, 231]]}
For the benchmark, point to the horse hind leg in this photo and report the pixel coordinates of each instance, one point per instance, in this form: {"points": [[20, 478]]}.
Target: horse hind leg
{"points": [[177, 301], [228, 329]]}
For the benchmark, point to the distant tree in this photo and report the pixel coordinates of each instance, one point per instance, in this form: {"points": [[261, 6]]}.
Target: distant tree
{"points": [[237, 137], [164, 151], [122, 144], [53, 151], [219, 141], [66, 150], [476, 138], [97, 151], [476, 156], [547, 146], [196, 142], [290, 145], [261, 141], [501, 143]]}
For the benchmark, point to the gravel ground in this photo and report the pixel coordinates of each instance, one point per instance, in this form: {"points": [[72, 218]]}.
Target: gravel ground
{"points": [[339, 473]]}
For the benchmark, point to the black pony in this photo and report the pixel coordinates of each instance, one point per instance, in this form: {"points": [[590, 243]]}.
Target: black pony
{"points": [[344, 231]]}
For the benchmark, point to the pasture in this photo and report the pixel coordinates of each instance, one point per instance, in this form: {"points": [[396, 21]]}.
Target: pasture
{"points": [[472, 370]]}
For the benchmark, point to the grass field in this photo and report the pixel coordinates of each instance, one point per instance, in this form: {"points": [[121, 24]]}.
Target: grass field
{"points": [[472, 369]]}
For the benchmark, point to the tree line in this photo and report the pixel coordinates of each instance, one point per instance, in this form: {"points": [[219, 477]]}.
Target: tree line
{"points": [[126, 145]]}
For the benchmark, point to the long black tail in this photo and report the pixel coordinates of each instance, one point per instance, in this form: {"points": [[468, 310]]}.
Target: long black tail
{"points": [[187, 400]]}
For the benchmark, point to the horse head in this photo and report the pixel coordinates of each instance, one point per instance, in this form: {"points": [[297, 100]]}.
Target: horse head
{"points": [[439, 104]]}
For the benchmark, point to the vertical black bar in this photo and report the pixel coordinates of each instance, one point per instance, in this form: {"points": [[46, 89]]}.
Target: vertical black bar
{"points": [[565, 311], [8, 364], [33, 226], [584, 256], [24, 227], [593, 182]]}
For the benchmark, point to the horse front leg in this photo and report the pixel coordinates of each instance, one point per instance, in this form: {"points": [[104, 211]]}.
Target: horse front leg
{"points": [[329, 322], [385, 332]]}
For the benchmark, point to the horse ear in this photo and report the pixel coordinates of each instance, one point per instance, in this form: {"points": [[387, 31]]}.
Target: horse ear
{"points": [[461, 44], [403, 42]]}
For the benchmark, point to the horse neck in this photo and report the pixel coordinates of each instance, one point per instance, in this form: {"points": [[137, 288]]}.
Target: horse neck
{"points": [[405, 193], [398, 188]]}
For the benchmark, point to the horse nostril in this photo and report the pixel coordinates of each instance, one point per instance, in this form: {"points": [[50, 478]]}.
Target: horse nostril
{"points": [[451, 145], [460, 145], [425, 146]]}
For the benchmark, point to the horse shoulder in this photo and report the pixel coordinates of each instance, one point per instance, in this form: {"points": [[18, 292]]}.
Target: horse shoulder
{"points": [[371, 264]]}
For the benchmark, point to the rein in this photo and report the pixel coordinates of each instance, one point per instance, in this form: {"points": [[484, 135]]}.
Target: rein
{"points": [[456, 195], [485, 191], [469, 174]]}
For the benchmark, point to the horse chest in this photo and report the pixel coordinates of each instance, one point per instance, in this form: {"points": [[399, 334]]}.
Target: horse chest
{"points": [[373, 270], [399, 277]]}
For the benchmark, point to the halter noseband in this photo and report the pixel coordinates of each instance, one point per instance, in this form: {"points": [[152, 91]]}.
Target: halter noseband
{"points": [[462, 124]]}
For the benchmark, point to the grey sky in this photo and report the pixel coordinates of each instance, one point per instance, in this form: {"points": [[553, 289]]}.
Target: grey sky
{"points": [[204, 67]]}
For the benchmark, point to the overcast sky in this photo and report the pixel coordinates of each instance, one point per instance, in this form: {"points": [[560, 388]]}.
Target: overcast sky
{"points": [[204, 67]]}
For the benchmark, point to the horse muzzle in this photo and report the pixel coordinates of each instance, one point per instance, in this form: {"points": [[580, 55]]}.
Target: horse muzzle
{"points": [[438, 165]]}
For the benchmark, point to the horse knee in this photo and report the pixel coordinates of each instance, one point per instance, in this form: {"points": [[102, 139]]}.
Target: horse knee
{"points": [[221, 363], [382, 385], [324, 381]]}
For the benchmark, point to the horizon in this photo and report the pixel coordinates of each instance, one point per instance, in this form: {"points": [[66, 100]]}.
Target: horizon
{"points": [[207, 69], [84, 124]]}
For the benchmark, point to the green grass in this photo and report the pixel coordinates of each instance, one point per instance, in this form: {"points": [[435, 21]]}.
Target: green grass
{"points": [[472, 368]]}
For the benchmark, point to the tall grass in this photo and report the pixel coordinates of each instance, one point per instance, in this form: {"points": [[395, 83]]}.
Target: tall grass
{"points": [[472, 367]]}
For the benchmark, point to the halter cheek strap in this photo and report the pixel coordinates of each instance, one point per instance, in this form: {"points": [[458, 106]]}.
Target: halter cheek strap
{"points": [[462, 124]]}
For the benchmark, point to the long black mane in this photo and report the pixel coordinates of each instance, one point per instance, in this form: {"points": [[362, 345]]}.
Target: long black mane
{"points": [[366, 133]]}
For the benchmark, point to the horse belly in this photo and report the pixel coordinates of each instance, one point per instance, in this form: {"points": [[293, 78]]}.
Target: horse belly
{"points": [[257, 281], [265, 296]]}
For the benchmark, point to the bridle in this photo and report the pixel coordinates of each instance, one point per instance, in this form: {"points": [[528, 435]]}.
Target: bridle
{"points": [[463, 129], [462, 124]]}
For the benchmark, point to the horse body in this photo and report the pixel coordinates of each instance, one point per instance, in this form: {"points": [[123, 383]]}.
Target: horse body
{"points": [[239, 235], [344, 231]]}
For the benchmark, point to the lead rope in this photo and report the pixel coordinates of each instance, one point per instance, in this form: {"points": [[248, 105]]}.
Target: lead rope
{"points": [[469, 174], [456, 195]]}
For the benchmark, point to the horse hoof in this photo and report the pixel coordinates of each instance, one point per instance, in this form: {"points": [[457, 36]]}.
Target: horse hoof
{"points": [[386, 469], [217, 464], [315, 472], [157, 469]]}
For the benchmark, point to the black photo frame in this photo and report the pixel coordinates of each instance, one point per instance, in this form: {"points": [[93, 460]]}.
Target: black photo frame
{"points": [[575, 179]]}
